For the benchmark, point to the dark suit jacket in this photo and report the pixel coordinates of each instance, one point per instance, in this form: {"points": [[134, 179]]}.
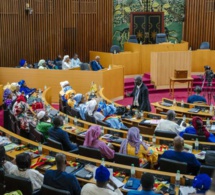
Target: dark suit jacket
{"points": [[96, 66], [143, 98]]}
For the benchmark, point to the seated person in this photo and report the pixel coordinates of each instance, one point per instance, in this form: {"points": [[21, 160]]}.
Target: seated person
{"points": [[147, 183], [95, 64], [75, 61], [69, 97], [15, 89], [51, 65], [169, 124], [60, 179], [134, 147], [23, 64], [196, 97], [58, 59], [22, 169], [66, 64], [3, 163], [92, 140], [80, 104], [198, 129], [42, 65], [57, 134], [211, 191], [7, 97], [25, 89], [43, 126], [113, 120], [65, 86], [19, 110], [178, 154], [202, 183], [102, 177]]}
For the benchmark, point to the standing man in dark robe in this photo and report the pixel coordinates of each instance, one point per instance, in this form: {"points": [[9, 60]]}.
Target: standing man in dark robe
{"points": [[140, 95]]}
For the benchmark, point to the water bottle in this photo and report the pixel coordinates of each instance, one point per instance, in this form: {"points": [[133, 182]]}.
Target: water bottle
{"points": [[174, 102], [182, 103], [40, 149], [75, 121], [39, 93], [197, 144], [211, 108], [177, 179], [154, 140], [66, 120], [141, 138], [132, 171], [114, 51], [103, 162], [45, 87], [102, 130], [208, 124], [184, 118]]}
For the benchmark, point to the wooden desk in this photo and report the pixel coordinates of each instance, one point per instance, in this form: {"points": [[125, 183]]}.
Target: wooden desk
{"points": [[79, 80], [172, 81], [1, 95]]}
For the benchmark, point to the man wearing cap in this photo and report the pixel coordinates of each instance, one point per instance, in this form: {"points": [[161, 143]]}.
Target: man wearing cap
{"points": [[202, 183], [43, 126], [101, 187], [140, 95], [196, 97]]}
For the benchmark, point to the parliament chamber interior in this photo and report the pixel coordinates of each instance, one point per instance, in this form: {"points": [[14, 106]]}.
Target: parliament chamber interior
{"points": [[107, 97]]}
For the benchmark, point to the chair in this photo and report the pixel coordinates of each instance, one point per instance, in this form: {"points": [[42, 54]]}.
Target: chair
{"points": [[207, 170], [53, 191], [115, 49], [126, 159], [205, 45], [13, 121], [85, 66], [210, 157], [54, 144], [90, 152], [35, 135], [62, 105], [172, 166], [102, 123], [73, 112], [167, 134], [188, 136], [132, 39], [90, 119], [13, 183], [161, 38]]}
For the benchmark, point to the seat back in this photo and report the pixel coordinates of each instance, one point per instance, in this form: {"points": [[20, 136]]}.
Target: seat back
{"points": [[54, 144], [172, 166], [90, 152], [126, 159], [102, 123], [115, 48], [167, 134], [188, 136], [207, 170], [132, 39], [45, 190], [161, 38], [85, 66], [89, 118], [73, 112], [205, 45], [210, 157], [13, 121], [13, 183], [62, 105]]}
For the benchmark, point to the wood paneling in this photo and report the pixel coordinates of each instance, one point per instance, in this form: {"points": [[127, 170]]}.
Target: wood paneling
{"points": [[199, 22], [55, 27]]}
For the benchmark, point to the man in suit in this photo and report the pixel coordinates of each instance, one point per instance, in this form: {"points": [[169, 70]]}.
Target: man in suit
{"points": [[95, 64], [140, 96]]}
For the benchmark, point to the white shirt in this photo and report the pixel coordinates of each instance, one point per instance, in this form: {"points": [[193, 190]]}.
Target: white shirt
{"points": [[65, 66], [35, 176], [92, 189], [75, 63], [98, 116], [42, 67], [167, 125]]}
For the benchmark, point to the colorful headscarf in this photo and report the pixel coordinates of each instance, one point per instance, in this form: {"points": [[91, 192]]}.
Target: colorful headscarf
{"points": [[64, 83], [133, 138], [21, 83], [41, 114], [194, 122], [202, 183], [91, 106], [41, 62], [22, 62], [109, 110], [64, 58], [67, 88], [13, 86], [102, 174], [78, 98], [92, 134], [20, 98], [69, 93], [7, 92]]}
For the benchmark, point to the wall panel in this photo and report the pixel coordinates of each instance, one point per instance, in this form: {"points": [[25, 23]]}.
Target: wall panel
{"points": [[200, 22], [55, 27]]}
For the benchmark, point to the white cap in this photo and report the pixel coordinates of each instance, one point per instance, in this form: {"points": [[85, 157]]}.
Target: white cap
{"points": [[41, 114], [64, 83]]}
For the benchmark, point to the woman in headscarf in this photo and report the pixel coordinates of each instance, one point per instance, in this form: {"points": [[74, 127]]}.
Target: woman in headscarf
{"points": [[14, 87], [25, 89], [198, 129], [23, 64], [69, 97], [42, 64], [136, 147], [66, 63], [20, 109], [65, 86], [7, 97], [92, 140]]}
